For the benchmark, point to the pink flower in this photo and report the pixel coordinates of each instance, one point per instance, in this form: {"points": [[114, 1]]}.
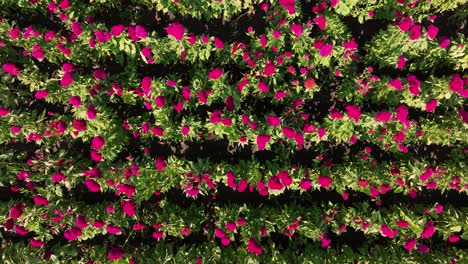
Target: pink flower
{"points": [[453, 238], [75, 101], [431, 105], [262, 139], [230, 103], [401, 62], [321, 22], [426, 175], [269, 69], [324, 181], [305, 184], [21, 230], [40, 200], [263, 87], [36, 243], [17, 211], [92, 185], [115, 253], [409, 244], [297, 30], [274, 183], [97, 142], [185, 130], [72, 233], [444, 42], [432, 31], [111, 229], [161, 163], [429, 230], [288, 132], [215, 73], [415, 32], [58, 177], [397, 84], [325, 241], [158, 234], [95, 155], [284, 177], [405, 24], [128, 208], [254, 247], [66, 80], [79, 125], [99, 74], [414, 84], [91, 112], [456, 84], [402, 223], [41, 94], [353, 112], [326, 49], [231, 226], [140, 32], [383, 116], [160, 101], [117, 30], [219, 44], [423, 248], [273, 120], [386, 231], [129, 190], [4, 111], [176, 30]]}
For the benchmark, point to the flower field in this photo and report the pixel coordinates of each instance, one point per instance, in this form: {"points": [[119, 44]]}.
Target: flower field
{"points": [[233, 131]]}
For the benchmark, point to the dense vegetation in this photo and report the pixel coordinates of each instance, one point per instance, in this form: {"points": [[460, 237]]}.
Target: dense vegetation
{"points": [[233, 131]]}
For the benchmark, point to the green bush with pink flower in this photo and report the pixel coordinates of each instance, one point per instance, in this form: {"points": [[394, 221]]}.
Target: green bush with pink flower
{"points": [[243, 131]]}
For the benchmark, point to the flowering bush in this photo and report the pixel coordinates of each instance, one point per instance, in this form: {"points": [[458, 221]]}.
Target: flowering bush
{"points": [[233, 131]]}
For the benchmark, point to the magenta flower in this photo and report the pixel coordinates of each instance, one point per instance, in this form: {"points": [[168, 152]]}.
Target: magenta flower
{"points": [[215, 73], [79, 125], [115, 253], [415, 31], [444, 42], [262, 140], [409, 244], [274, 183], [17, 211], [324, 181], [95, 155], [305, 184], [269, 69], [40, 200], [128, 208], [36, 243], [263, 87], [321, 22], [92, 185], [325, 241], [429, 230], [91, 112], [4, 111], [401, 62], [288, 5], [431, 105], [140, 32], [97, 142], [405, 24], [354, 112], [397, 84], [288, 132], [231, 226], [20, 230], [160, 101], [129, 190], [432, 31], [456, 84], [185, 130], [254, 247], [58, 177], [111, 229], [453, 238], [72, 233], [273, 120], [383, 116], [41, 94], [99, 74], [219, 44], [75, 101], [66, 80], [161, 163], [176, 30], [414, 84], [386, 231], [117, 30], [297, 30], [284, 177], [325, 50]]}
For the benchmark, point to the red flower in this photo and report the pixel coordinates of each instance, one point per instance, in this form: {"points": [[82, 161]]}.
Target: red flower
{"points": [[324, 181], [254, 247], [115, 253], [66, 80], [41, 94], [262, 139], [215, 73], [97, 142], [176, 30]]}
